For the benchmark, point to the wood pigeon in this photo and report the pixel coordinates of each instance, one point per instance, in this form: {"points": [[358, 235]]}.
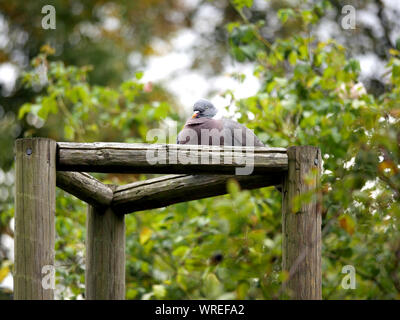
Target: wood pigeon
{"points": [[201, 128]]}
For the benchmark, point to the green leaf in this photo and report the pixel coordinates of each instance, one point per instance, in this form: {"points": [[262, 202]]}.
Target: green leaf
{"points": [[139, 75], [398, 44], [284, 14], [145, 235], [25, 108], [159, 291], [212, 286], [239, 4], [396, 69], [292, 58], [69, 132], [180, 251], [308, 16]]}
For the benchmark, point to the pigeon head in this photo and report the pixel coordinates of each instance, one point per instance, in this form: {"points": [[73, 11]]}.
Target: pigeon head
{"points": [[204, 109]]}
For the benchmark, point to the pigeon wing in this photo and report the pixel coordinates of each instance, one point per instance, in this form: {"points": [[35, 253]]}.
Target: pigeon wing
{"points": [[232, 127]]}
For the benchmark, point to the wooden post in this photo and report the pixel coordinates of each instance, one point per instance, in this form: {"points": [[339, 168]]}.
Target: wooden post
{"points": [[34, 218], [169, 189], [85, 187], [166, 158], [105, 254], [301, 251]]}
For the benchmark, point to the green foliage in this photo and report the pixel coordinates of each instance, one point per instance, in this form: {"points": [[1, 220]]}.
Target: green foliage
{"points": [[88, 109], [244, 43], [310, 96], [213, 249], [284, 14]]}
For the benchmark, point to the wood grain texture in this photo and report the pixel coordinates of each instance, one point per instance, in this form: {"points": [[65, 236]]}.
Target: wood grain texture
{"points": [[34, 216], [168, 158], [166, 190], [105, 254], [85, 187], [301, 223]]}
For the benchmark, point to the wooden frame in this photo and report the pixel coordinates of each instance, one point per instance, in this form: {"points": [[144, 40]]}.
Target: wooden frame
{"points": [[195, 172]]}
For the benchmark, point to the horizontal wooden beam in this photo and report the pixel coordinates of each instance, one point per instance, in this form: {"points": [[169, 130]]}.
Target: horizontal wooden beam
{"points": [[169, 158], [166, 190], [85, 187]]}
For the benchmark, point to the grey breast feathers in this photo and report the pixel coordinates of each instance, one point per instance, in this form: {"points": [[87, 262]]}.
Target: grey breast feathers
{"points": [[203, 131], [208, 131]]}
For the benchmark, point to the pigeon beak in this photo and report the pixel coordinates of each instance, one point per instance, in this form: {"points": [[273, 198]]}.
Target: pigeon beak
{"points": [[195, 114]]}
